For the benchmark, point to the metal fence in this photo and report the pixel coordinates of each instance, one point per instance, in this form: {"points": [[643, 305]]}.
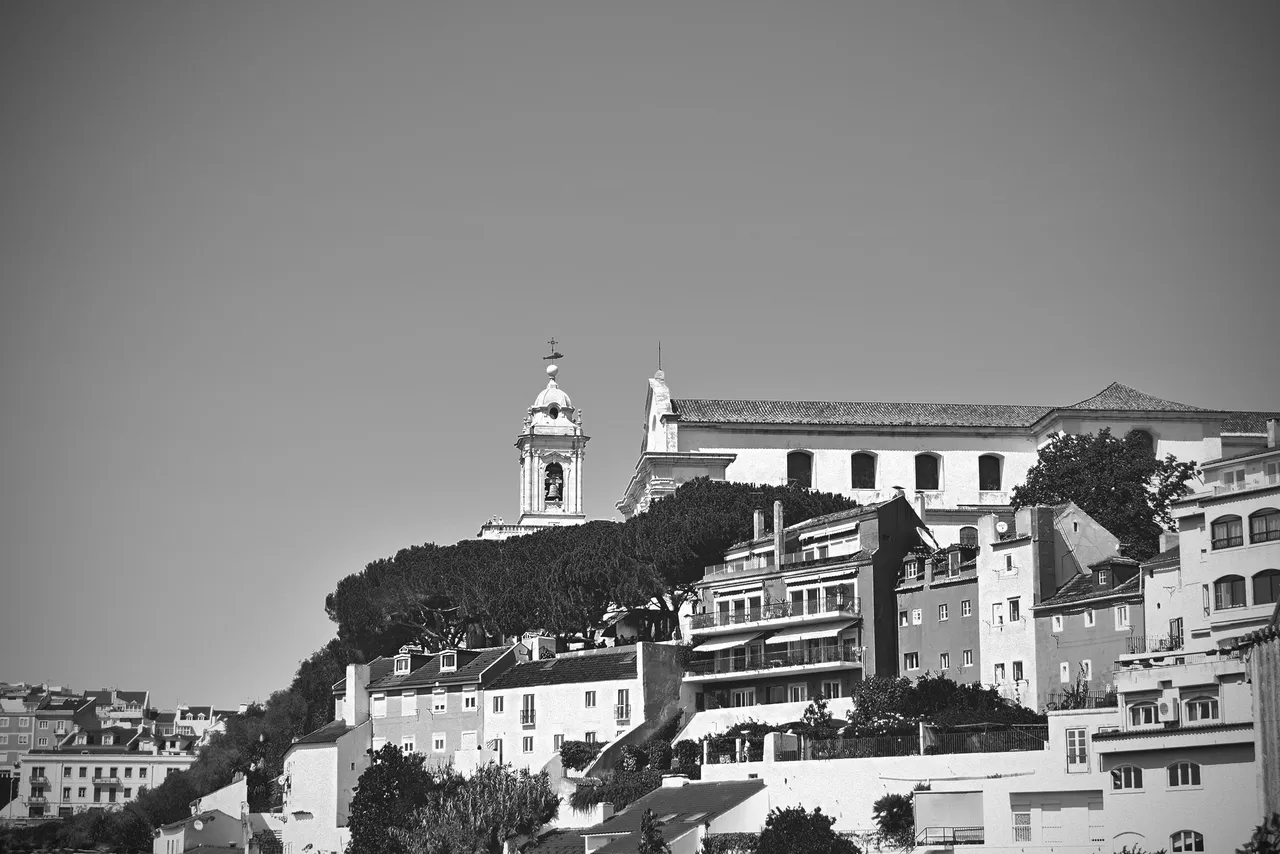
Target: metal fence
{"points": [[1154, 643], [1057, 701], [858, 748], [951, 836], [996, 741]]}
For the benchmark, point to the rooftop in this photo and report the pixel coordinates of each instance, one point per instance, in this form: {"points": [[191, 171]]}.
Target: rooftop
{"points": [[602, 667], [1080, 588], [327, 734], [680, 808], [472, 663]]}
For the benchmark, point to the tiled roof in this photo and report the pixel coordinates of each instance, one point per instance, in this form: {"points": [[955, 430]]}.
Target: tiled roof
{"points": [[1169, 555], [599, 667], [471, 664], [558, 842], [1120, 397], [197, 711], [693, 805], [1256, 452], [1248, 422], [327, 734], [379, 667], [1081, 589], [700, 410]]}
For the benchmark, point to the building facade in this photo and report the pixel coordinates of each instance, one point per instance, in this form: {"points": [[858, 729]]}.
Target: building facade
{"points": [[938, 613]]}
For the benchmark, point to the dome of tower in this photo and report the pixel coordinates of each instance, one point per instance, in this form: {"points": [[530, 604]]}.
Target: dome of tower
{"points": [[552, 395]]}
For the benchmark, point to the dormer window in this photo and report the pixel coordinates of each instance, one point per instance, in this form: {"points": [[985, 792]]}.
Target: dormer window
{"points": [[448, 662], [82, 739], [402, 664], [108, 740], [1104, 578]]}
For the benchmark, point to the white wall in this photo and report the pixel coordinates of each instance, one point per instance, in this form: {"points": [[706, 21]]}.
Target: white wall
{"points": [[321, 778], [1014, 641]]}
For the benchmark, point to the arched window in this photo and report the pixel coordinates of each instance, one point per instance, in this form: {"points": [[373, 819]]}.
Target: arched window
{"points": [[1142, 714], [1228, 592], [553, 483], [1266, 587], [1183, 774], [1186, 840], [1202, 709], [800, 469], [864, 471], [1227, 532], [1144, 440], [1264, 525], [989, 473], [928, 472], [1126, 777], [969, 536]]}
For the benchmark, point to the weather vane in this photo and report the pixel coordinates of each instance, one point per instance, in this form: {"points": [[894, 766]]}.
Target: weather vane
{"points": [[554, 353]]}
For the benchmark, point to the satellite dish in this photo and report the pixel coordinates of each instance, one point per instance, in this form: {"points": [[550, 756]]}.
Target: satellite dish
{"points": [[198, 824], [1002, 527]]}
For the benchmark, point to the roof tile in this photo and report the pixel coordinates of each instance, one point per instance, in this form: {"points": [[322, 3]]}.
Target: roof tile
{"points": [[599, 667]]}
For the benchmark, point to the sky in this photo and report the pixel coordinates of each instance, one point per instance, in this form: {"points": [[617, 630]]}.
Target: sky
{"points": [[277, 278]]}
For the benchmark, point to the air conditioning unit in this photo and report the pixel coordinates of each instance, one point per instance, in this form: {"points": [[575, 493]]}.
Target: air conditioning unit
{"points": [[1168, 706]]}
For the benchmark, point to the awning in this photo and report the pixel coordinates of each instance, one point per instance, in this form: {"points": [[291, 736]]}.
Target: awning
{"points": [[804, 633], [728, 641]]}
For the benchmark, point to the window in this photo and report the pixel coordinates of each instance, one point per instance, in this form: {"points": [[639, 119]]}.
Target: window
{"points": [[966, 658], [1088, 618], [409, 704], [902, 618], [379, 706], [942, 613], [557, 741], [527, 715], [4, 738], [1186, 840], [796, 693], [448, 662], [989, 473], [42, 724], [1142, 714], [23, 723], [497, 705], [1104, 578], [128, 793], [831, 689], [402, 664], [999, 672], [1057, 622], [1017, 671], [1086, 670], [1266, 587], [589, 737], [437, 742], [864, 471], [1202, 709], [128, 772], [42, 741], [439, 701], [591, 700], [917, 617], [528, 744], [1232, 480], [1122, 617], [97, 795], [622, 709], [468, 698], [4, 722], [407, 745], [997, 613], [1228, 531], [1228, 592], [1077, 750], [66, 770], [1015, 610], [84, 772], [1126, 778], [81, 791], [1022, 824], [24, 739], [1184, 774], [800, 469], [911, 661], [944, 660], [966, 607], [142, 774], [927, 472], [969, 536], [1264, 526], [1064, 672]]}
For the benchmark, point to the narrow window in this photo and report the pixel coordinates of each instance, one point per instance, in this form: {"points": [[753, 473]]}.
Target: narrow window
{"points": [[989, 473], [944, 660], [1017, 671], [1183, 774], [967, 658], [1202, 709], [927, 472], [1064, 672], [1077, 750], [966, 607], [942, 612], [800, 469], [1142, 714], [864, 471]]}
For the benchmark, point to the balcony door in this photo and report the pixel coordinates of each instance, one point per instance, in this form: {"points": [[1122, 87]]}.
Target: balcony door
{"points": [[744, 697]]}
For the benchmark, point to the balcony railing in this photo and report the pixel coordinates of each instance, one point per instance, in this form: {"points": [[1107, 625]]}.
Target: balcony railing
{"points": [[1141, 644], [527, 717], [37, 800], [622, 712], [951, 836], [106, 781], [1061, 700], [1264, 536], [1228, 542], [742, 664], [39, 780], [779, 611]]}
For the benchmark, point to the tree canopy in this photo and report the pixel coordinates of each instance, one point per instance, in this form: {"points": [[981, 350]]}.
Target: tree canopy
{"points": [[1117, 481], [561, 579], [795, 830]]}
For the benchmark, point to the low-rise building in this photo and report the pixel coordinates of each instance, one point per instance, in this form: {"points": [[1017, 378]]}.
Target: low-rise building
{"points": [[686, 813], [937, 613]]}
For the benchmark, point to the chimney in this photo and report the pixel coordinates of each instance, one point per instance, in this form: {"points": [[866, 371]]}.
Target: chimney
{"points": [[1168, 539], [355, 705], [757, 524], [898, 492], [778, 539], [920, 506], [1272, 424], [675, 781]]}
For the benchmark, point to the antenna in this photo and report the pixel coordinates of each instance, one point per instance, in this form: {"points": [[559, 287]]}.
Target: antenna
{"points": [[659, 355]]}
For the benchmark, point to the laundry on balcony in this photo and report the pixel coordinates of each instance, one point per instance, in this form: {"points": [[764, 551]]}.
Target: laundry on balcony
{"points": [[728, 641], [806, 632]]}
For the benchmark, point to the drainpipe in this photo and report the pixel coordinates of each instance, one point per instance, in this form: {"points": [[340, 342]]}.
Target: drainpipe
{"points": [[778, 539]]}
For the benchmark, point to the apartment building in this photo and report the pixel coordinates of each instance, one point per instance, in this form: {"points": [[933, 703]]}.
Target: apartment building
{"points": [[937, 598]]}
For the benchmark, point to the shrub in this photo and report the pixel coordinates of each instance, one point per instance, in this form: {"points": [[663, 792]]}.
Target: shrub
{"points": [[686, 753], [578, 754], [797, 831], [1266, 837], [619, 789], [895, 820]]}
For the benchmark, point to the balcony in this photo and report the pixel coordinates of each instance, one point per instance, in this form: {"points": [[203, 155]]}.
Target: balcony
{"points": [[39, 780], [527, 717], [1066, 700], [825, 658], [622, 713], [831, 606], [37, 800], [106, 781], [1142, 645], [947, 836]]}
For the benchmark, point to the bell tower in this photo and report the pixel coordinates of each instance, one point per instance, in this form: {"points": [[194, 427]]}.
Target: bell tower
{"points": [[551, 446]]}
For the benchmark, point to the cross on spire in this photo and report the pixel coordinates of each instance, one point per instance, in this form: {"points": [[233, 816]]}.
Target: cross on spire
{"points": [[554, 353]]}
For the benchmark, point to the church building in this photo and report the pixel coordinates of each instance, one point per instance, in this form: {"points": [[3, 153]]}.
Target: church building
{"points": [[551, 446]]}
